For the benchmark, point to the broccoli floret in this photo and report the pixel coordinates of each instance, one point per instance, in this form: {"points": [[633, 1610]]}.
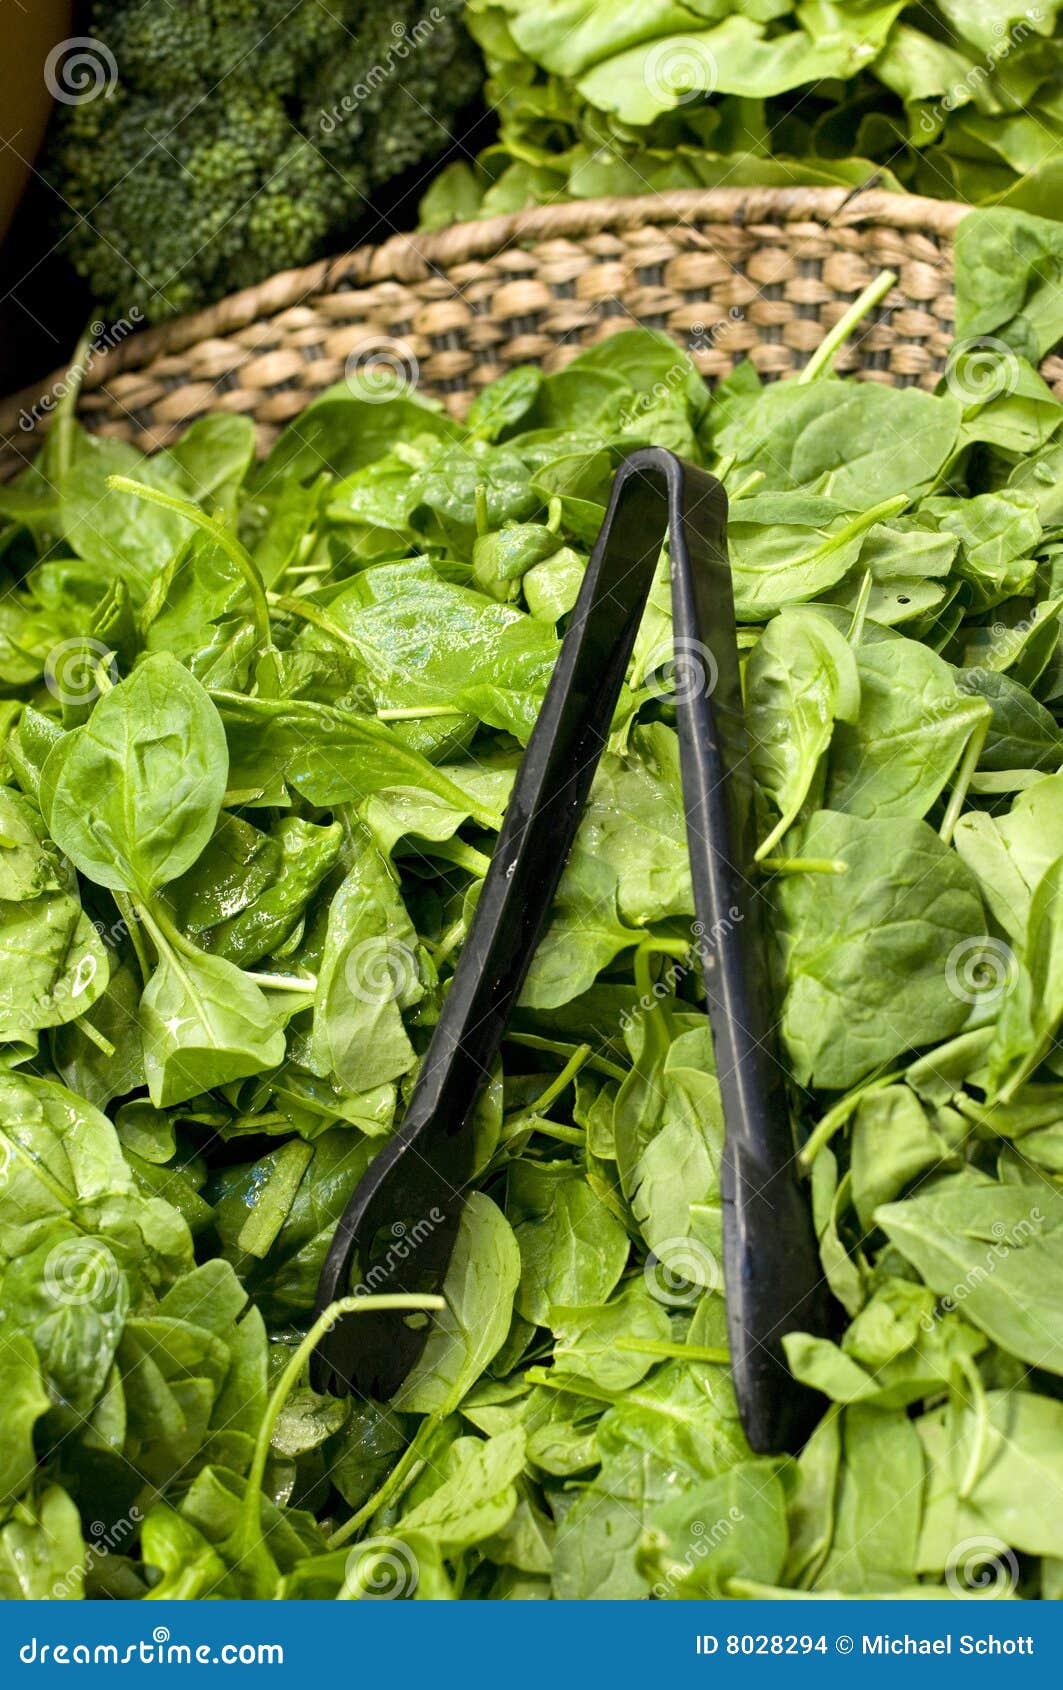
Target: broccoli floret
{"points": [[245, 136]]}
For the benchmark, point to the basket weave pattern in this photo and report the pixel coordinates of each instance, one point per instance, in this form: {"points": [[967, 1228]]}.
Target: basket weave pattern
{"points": [[730, 274]]}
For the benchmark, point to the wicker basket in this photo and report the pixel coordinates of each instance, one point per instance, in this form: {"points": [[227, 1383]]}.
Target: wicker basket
{"points": [[732, 274]]}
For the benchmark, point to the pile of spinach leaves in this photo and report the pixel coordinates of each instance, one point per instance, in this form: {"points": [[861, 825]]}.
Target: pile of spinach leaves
{"points": [[957, 99], [259, 724]]}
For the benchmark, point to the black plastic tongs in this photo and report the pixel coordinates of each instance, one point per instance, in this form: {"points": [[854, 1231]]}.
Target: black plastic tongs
{"points": [[771, 1264]]}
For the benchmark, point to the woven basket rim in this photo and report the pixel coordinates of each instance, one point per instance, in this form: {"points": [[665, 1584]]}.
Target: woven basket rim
{"points": [[413, 257]]}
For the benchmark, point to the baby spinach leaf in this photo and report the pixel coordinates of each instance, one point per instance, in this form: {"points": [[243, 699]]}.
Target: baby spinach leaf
{"points": [[368, 974], [864, 948], [878, 1509], [53, 963], [572, 1248], [788, 550], [25, 1400], [858, 444], [133, 796], [480, 1286], [204, 1024], [801, 678], [747, 1537], [989, 1250], [897, 755]]}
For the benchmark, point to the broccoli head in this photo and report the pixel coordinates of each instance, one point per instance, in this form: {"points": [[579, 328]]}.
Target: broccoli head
{"points": [[245, 136]]}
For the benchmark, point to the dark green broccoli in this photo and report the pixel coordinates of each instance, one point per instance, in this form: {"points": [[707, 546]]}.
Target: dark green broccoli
{"points": [[245, 136]]}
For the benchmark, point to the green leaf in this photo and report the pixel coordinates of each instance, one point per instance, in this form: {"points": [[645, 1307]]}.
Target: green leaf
{"points": [[25, 1400], [133, 796], [802, 678], [866, 949], [480, 1286], [988, 1250], [204, 1024]]}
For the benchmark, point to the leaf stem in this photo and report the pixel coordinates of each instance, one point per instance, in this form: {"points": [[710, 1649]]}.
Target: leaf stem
{"points": [[964, 776], [237, 553], [823, 357], [839, 1113], [304, 611], [127, 909], [283, 982], [456, 851], [396, 1482], [856, 626], [250, 1525], [752, 480], [529, 1122], [677, 1352], [157, 920], [94, 1036], [968, 1370], [562, 1081], [804, 865], [415, 712]]}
